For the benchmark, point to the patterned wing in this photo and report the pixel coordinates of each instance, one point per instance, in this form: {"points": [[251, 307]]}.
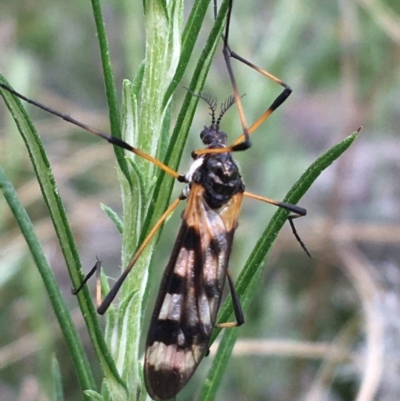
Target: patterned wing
{"points": [[190, 294]]}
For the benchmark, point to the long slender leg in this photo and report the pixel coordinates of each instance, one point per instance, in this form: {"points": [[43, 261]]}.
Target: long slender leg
{"points": [[104, 305], [118, 142], [297, 210], [243, 142], [94, 269], [275, 104], [228, 53], [292, 208], [107, 137], [237, 307], [114, 290]]}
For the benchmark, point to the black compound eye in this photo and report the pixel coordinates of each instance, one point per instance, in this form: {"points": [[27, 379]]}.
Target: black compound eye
{"points": [[207, 135]]}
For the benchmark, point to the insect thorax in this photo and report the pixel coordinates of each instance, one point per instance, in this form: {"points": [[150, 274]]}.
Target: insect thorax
{"points": [[219, 175]]}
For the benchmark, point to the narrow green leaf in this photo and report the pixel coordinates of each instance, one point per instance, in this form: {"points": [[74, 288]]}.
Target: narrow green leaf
{"points": [[189, 38], [114, 217], [146, 128], [94, 395], [55, 369], [111, 92], [71, 336]]}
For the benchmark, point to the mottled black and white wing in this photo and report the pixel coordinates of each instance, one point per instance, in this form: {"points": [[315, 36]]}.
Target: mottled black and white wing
{"points": [[190, 294]]}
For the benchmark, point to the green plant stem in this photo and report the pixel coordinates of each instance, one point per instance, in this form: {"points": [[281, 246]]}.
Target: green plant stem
{"points": [[164, 185], [109, 83], [83, 371]]}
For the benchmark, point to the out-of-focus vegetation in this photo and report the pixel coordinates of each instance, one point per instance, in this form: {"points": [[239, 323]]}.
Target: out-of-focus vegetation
{"points": [[325, 328]]}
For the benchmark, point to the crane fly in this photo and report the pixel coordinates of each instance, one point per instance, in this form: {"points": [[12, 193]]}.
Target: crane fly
{"points": [[188, 300]]}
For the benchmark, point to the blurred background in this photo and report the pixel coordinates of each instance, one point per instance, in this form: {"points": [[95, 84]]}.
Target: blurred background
{"points": [[326, 328]]}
